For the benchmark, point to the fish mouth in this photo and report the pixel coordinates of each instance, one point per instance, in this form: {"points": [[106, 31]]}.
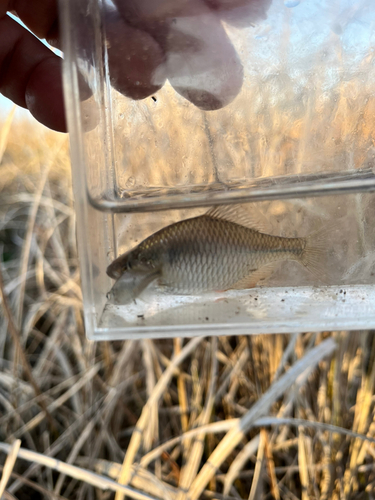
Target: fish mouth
{"points": [[113, 272]]}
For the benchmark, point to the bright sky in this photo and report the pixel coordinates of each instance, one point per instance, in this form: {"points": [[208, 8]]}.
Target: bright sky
{"points": [[6, 105]]}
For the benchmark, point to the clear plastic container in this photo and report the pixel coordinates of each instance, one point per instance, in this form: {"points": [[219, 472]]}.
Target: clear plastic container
{"points": [[291, 139]]}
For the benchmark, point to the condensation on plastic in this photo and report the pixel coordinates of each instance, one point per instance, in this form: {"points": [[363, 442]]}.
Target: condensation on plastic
{"points": [[301, 128]]}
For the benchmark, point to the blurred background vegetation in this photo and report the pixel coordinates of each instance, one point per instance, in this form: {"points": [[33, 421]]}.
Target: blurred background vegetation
{"points": [[161, 408]]}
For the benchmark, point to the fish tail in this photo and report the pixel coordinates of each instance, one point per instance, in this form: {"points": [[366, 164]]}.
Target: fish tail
{"points": [[314, 255]]}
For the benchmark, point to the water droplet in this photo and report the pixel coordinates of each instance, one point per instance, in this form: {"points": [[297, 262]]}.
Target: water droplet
{"points": [[337, 29], [291, 3], [130, 182]]}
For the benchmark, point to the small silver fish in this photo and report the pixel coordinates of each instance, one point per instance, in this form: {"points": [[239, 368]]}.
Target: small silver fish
{"points": [[216, 251]]}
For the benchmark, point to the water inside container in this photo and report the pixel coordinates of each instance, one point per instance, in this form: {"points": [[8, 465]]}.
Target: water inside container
{"points": [[291, 297]]}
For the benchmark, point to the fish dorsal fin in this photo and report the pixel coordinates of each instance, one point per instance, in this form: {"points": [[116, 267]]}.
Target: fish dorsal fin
{"points": [[255, 277], [238, 215]]}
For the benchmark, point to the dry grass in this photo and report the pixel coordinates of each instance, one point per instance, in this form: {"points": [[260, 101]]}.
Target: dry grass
{"points": [[265, 417]]}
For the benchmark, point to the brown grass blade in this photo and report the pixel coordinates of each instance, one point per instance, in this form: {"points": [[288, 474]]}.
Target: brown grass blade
{"points": [[235, 435], [9, 464], [154, 397]]}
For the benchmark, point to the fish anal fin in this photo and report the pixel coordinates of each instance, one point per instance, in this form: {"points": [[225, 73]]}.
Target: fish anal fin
{"points": [[255, 277], [239, 215]]}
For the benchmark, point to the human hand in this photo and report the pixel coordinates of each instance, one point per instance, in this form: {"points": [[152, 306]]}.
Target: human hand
{"points": [[149, 41]]}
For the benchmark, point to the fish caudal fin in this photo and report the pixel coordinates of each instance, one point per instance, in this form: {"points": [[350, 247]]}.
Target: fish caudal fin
{"points": [[314, 256]]}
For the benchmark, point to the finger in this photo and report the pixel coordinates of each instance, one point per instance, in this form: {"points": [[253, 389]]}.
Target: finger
{"points": [[44, 94], [148, 14], [207, 70], [30, 74], [240, 13], [40, 16], [141, 13], [200, 61], [135, 59]]}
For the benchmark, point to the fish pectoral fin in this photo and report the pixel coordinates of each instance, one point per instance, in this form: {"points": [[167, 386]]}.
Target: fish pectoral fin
{"points": [[252, 279], [143, 284], [238, 215]]}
